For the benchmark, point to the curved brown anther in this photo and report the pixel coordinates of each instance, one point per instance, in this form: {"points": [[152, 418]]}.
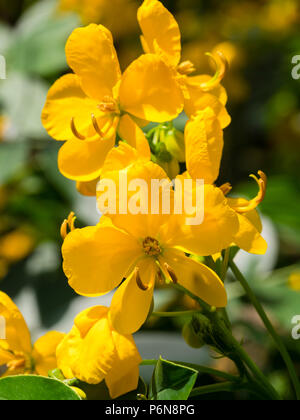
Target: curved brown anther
{"points": [[139, 280], [160, 276], [226, 188], [75, 131], [221, 70], [96, 126], [171, 273]]}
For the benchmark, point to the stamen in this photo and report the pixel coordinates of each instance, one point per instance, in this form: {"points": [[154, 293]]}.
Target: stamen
{"points": [[226, 188], [68, 223], [151, 247], [171, 273], [262, 184], [160, 276], [75, 131], [139, 280], [96, 126], [222, 67], [108, 104], [186, 68], [15, 364]]}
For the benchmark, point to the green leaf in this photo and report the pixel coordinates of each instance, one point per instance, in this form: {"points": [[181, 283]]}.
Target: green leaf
{"points": [[172, 381], [35, 388], [39, 40]]}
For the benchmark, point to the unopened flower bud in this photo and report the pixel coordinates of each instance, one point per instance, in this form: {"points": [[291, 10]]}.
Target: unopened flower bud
{"points": [[174, 141], [197, 331]]}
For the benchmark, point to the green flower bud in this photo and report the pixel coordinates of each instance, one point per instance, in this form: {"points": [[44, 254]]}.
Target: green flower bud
{"points": [[197, 332], [163, 154], [174, 141], [171, 168]]}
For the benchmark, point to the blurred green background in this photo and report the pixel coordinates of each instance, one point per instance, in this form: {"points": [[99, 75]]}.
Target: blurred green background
{"points": [[259, 39]]}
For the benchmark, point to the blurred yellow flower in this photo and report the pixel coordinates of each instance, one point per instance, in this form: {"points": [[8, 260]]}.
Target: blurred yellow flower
{"points": [[16, 245], [3, 126], [89, 107], [93, 351], [204, 146], [16, 351], [161, 36], [294, 281], [278, 15], [104, 12]]}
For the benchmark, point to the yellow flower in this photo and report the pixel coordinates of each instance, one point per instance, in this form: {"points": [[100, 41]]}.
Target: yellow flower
{"points": [[3, 126], [16, 351], [294, 281], [93, 351], [146, 247], [204, 146], [161, 36], [16, 245], [104, 12], [88, 108]]}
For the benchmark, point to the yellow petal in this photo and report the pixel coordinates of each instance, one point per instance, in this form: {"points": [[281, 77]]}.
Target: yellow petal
{"points": [[66, 100], [92, 56], [87, 188], [123, 165], [44, 352], [89, 317], [215, 233], [197, 278], [198, 100], [88, 352], [252, 215], [120, 158], [249, 238], [16, 330], [96, 259], [149, 90], [161, 31], [97, 353], [83, 160], [124, 375], [133, 135], [130, 305], [204, 146], [68, 352]]}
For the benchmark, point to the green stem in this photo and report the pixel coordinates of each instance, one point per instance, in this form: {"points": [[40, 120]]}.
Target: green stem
{"points": [[224, 387], [279, 343], [215, 388], [226, 256], [241, 353]]}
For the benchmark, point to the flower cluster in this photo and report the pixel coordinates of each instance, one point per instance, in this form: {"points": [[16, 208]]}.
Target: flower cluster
{"points": [[100, 113]]}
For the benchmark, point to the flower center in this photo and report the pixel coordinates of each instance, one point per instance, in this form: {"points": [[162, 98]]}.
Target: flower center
{"points": [[151, 247], [108, 104], [186, 68]]}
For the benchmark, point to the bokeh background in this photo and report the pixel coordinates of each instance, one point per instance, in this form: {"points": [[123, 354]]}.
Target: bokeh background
{"points": [[259, 39]]}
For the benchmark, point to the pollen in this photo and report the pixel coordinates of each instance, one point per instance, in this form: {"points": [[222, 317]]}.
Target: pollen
{"points": [[152, 247], [186, 68]]}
